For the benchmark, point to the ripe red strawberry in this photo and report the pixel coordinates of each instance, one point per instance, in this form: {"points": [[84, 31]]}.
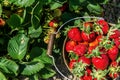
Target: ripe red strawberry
{"points": [[117, 42], [100, 62], [72, 63], [74, 34], [94, 43], [53, 23], [114, 70], [85, 60], [113, 53], [86, 77], [85, 43], [99, 38], [114, 75], [104, 26], [2, 22], [114, 64], [80, 49], [116, 34], [70, 45], [88, 37], [88, 71]]}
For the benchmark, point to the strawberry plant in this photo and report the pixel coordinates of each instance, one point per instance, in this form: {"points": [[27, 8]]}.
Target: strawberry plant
{"points": [[98, 55]]}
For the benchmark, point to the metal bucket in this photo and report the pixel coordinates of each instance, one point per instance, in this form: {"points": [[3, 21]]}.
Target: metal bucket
{"points": [[64, 55]]}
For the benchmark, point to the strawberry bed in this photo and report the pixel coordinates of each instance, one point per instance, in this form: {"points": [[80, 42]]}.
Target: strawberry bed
{"points": [[25, 29], [91, 50]]}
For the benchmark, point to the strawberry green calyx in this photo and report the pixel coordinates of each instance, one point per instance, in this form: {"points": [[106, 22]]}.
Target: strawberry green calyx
{"points": [[86, 29], [99, 74], [65, 31], [95, 52], [72, 55], [106, 43], [118, 59], [97, 29], [79, 69], [111, 31], [114, 69]]}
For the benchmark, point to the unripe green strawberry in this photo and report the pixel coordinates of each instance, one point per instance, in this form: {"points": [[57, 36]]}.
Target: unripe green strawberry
{"points": [[46, 39]]}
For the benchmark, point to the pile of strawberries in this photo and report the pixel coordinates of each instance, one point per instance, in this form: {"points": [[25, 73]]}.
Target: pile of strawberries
{"points": [[93, 50]]}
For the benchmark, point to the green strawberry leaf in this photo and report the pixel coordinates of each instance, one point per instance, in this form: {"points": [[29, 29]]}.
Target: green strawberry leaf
{"points": [[44, 58], [77, 4], [34, 77], [8, 66], [46, 73], [15, 21], [38, 8], [55, 5], [34, 33], [29, 68], [35, 52], [22, 3], [35, 21], [2, 76], [17, 46], [102, 1], [87, 19], [45, 2], [94, 8], [77, 22]]}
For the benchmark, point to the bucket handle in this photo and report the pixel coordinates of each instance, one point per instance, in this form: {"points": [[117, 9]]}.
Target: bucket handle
{"points": [[52, 37]]}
